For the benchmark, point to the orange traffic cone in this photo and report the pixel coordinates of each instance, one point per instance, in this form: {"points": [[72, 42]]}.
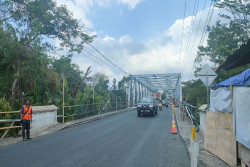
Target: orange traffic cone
{"points": [[173, 126]]}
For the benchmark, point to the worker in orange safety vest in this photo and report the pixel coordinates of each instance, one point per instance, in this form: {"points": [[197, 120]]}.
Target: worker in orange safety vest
{"points": [[26, 119]]}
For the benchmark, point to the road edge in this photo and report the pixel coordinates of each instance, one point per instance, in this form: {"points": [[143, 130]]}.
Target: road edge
{"points": [[61, 126]]}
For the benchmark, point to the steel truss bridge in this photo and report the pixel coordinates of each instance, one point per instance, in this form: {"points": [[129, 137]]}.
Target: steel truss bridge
{"points": [[143, 85]]}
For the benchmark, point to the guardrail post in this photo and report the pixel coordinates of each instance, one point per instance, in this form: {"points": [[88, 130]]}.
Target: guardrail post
{"points": [[193, 134]]}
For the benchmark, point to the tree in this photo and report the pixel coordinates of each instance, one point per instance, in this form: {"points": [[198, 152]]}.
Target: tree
{"points": [[225, 39], [102, 94], [33, 23], [194, 92], [163, 96], [222, 41], [239, 12], [122, 86], [114, 87]]}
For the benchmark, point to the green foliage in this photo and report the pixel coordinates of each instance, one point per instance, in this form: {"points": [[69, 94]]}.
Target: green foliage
{"points": [[26, 70], [194, 92], [4, 106], [122, 86], [163, 96], [225, 39], [222, 41]]}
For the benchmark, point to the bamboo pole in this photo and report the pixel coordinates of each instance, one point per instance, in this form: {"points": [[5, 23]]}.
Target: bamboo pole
{"points": [[63, 98], [232, 98], [12, 127], [9, 112]]}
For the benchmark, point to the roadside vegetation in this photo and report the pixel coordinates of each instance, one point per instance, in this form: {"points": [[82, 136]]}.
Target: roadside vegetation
{"points": [[37, 42], [223, 40]]}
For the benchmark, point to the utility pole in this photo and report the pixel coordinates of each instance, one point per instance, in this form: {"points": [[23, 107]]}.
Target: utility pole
{"points": [[115, 90], [63, 96], [207, 89], [93, 96]]}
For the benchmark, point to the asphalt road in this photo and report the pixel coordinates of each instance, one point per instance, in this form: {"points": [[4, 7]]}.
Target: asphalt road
{"points": [[122, 140]]}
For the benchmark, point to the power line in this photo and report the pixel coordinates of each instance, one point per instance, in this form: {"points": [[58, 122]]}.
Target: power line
{"points": [[204, 31], [192, 43], [191, 30], [100, 61], [207, 23], [182, 34], [107, 59], [96, 56]]}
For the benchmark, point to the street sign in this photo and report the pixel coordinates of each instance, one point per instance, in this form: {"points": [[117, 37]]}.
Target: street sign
{"points": [[207, 75], [156, 91]]}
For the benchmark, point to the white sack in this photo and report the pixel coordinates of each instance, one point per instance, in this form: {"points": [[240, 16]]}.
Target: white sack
{"points": [[241, 106], [220, 100]]}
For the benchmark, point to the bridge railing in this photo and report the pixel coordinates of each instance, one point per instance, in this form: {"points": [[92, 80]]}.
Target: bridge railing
{"points": [[192, 113], [84, 110], [5, 125]]}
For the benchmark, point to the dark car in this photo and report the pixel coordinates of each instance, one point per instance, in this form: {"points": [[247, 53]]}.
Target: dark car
{"points": [[147, 105]]}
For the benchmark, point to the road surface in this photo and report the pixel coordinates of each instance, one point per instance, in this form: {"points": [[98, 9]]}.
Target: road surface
{"points": [[122, 140]]}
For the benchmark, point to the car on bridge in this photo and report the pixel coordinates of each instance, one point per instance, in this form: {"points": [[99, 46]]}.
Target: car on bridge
{"points": [[147, 106]]}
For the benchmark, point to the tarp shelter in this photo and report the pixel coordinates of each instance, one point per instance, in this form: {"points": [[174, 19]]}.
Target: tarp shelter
{"points": [[220, 98], [242, 79]]}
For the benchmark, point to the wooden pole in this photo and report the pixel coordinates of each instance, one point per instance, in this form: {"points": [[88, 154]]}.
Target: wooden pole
{"points": [[231, 93], [232, 98], [9, 112], [12, 127], [63, 97]]}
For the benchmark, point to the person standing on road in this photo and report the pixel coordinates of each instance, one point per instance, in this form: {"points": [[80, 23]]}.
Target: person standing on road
{"points": [[26, 119]]}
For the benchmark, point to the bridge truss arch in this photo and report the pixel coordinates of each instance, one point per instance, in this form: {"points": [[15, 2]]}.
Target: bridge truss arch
{"points": [[143, 85]]}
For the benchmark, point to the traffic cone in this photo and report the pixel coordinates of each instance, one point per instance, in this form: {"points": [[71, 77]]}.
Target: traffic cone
{"points": [[173, 125]]}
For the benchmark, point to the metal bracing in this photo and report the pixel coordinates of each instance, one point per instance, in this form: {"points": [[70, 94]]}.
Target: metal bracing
{"points": [[136, 92], [147, 83]]}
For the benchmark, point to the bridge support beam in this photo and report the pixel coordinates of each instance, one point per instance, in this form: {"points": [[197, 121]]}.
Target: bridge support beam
{"points": [[136, 93], [139, 88], [178, 91], [130, 99]]}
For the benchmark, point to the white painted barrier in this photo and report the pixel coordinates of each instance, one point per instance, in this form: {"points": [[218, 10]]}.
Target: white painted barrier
{"points": [[194, 152], [203, 113], [43, 117]]}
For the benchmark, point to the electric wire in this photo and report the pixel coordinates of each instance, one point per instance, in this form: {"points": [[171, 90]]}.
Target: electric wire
{"points": [[179, 62], [190, 31], [192, 43], [210, 13], [107, 59], [100, 61]]}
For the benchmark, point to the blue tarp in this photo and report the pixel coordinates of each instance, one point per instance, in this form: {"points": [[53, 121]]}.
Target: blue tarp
{"points": [[242, 79]]}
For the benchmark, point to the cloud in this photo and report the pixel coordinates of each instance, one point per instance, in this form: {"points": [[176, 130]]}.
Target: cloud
{"points": [[108, 38], [160, 55], [131, 3], [80, 9], [125, 40]]}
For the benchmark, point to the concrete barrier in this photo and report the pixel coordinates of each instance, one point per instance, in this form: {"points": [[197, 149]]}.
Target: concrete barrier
{"points": [[203, 113], [43, 117], [194, 152]]}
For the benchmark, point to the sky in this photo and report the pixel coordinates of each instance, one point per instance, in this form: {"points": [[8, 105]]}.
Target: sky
{"points": [[143, 36]]}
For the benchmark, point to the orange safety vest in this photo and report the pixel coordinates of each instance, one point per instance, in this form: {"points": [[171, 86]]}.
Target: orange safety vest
{"points": [[26, 113]]}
